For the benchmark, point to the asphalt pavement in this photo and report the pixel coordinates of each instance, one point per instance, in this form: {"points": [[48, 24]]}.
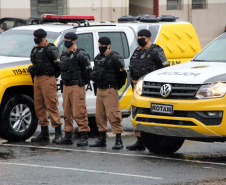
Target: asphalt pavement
{"points": [[26, 163], [29, 163]]}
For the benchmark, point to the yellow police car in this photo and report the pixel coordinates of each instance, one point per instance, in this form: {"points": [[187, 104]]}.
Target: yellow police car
{"points": [[185, 101]]}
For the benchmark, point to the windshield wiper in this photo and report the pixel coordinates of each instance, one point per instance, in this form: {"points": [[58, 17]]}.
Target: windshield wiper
{"points": [[200, 60]]}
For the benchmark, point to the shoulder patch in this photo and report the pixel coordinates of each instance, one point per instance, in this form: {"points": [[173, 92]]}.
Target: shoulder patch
{"points": [[50, 46], [115, 55], [82, 52]]}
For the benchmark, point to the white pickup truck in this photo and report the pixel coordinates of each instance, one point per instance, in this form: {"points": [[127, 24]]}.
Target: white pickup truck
{"points": [[17, 116]]}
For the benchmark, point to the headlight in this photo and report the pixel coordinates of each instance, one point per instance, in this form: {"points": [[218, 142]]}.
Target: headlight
{"points": [[139, 87], [213, 90]]}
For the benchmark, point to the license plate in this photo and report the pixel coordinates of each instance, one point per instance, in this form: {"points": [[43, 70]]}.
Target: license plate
{"points": [[162, 108]]}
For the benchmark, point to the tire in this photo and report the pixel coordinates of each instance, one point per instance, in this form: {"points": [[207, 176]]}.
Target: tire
{"points": [[161, 144], [18, 120]]}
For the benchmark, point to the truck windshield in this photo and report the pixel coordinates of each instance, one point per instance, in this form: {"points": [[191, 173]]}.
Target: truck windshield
{"points": [[19, 43], [215, 52]]}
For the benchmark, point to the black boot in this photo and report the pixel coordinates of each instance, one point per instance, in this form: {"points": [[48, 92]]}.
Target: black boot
{"points": [[58, 134], [118, 142], [67, 140], [101, 142], [139, 145], [43, 137], [83, 139]]}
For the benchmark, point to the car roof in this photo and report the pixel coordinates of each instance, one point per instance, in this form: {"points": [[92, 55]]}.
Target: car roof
{"points": [[47, 27], [12, 18], [60, 27]]}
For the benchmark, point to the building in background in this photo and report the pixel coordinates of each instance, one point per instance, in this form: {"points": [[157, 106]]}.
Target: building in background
{"points": [[102, 10], [207, 16]]}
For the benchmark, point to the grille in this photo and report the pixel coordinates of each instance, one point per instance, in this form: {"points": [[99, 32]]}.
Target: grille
{"points": [[179, 91], [200, 116], [165, 121]]}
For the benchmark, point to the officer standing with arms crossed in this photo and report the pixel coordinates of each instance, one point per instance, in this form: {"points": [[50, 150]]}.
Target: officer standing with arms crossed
{"points": [[145, 59], [45, 70], [109, 74], [75, 72]]}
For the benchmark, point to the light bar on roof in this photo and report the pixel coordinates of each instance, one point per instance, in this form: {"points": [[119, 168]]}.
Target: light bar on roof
{"points": [[66, 18]]}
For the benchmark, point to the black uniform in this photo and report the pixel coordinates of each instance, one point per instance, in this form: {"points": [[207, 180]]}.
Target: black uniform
{"points": [[45, 60], [109, 74], [75, 72], [109, 71], [145, 61], [45, 69], [75, 66]]}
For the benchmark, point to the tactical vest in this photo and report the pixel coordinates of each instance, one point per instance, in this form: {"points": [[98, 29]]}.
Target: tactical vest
{"points": [[142, 62], [39, 58], [106, 70], [70, 67]]}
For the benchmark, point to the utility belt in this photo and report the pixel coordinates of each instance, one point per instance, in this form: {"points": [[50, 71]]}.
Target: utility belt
{"points": [[106, 86], [70, 83], [46, 73]]}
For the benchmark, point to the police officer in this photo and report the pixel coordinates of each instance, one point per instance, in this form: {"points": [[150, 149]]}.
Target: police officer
{"points": [[109, 74], [145, 59], [75, 72], [45, 70]]}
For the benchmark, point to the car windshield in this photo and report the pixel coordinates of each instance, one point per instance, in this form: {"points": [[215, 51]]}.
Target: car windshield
{"points": [[19, 43], [215, 52]]}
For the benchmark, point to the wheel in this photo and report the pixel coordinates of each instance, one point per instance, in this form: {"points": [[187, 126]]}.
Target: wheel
{"points": [[161, 144], [18, 121]]}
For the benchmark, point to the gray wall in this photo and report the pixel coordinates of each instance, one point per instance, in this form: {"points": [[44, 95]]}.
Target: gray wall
{"points": [[48, 7]]}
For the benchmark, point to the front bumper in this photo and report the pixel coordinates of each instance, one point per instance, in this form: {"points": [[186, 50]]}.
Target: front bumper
{"points": [[188, 120]]}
